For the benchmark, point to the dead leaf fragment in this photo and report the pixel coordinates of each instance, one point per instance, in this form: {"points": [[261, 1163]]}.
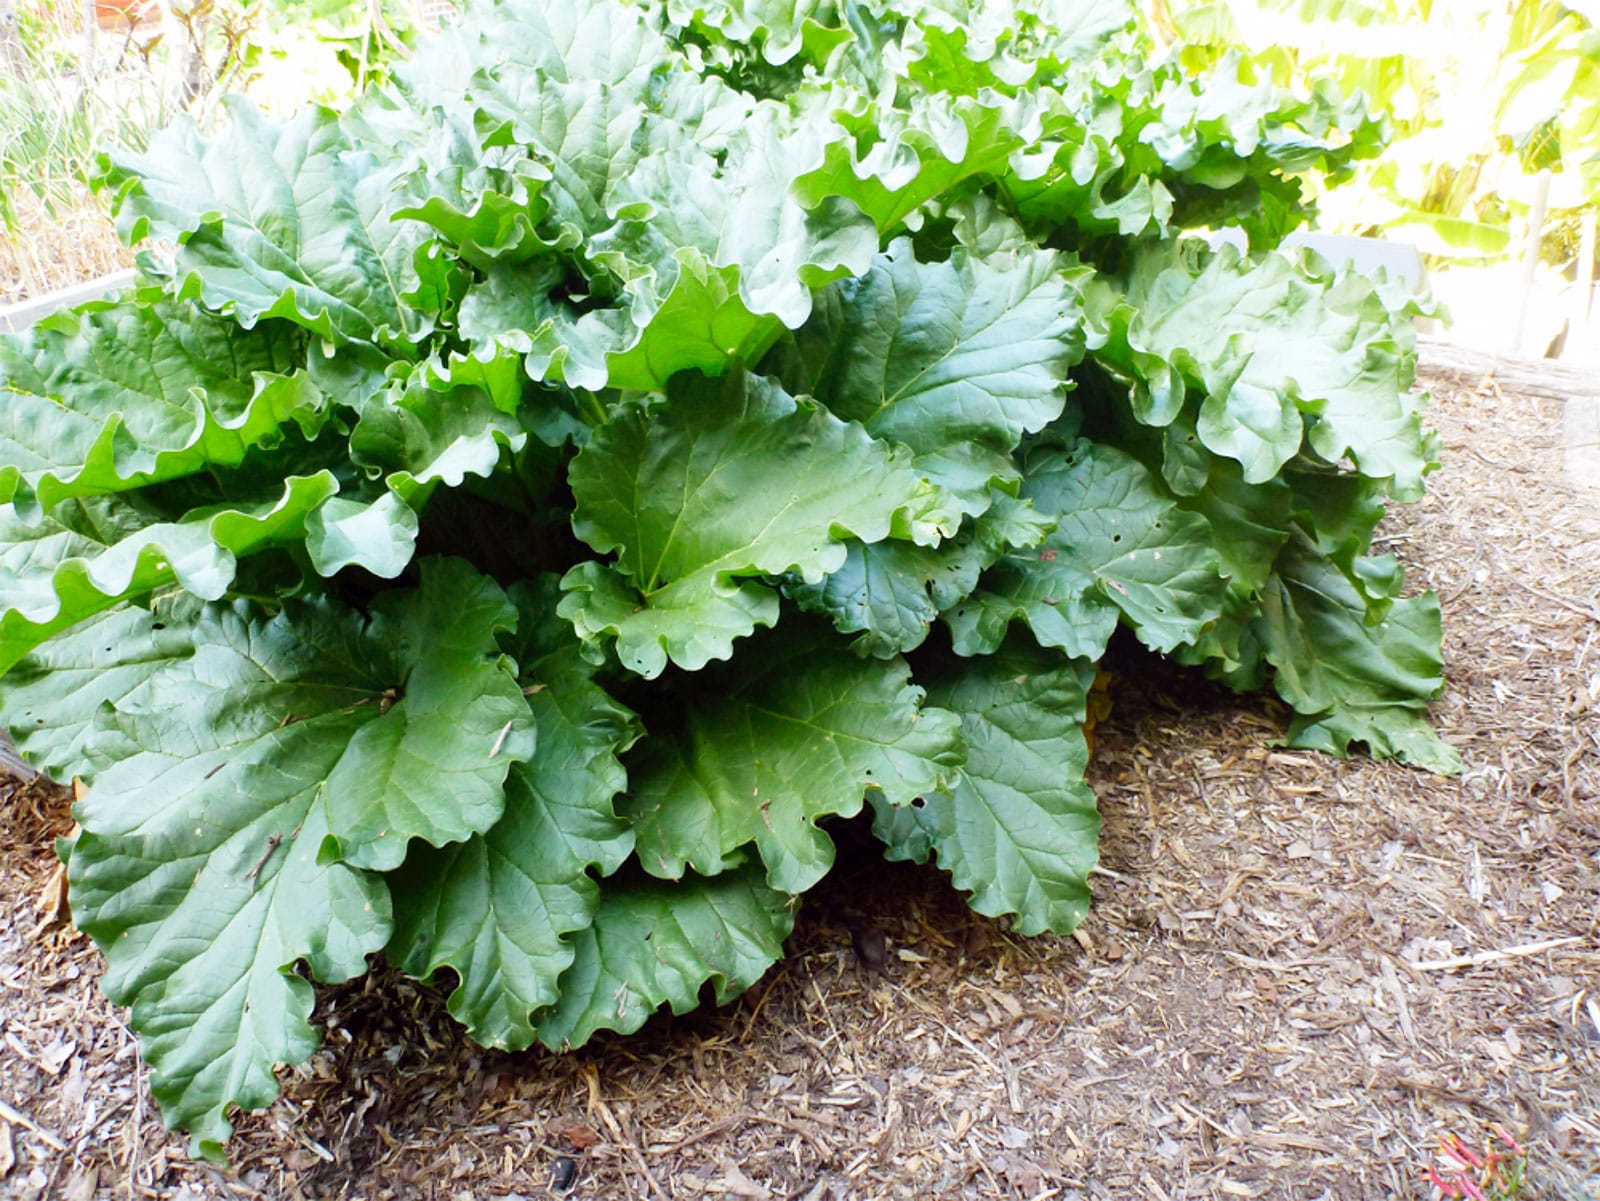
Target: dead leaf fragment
{"points": [[740, 1185], [577, 1135], [8, 1150], [52, 899], [82, 1186]]}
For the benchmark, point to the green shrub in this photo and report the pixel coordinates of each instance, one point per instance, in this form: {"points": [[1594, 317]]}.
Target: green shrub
{"points": [[529, 505]]}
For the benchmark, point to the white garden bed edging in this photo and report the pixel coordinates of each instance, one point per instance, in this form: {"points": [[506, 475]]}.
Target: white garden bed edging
{"points": [[17, 317]]}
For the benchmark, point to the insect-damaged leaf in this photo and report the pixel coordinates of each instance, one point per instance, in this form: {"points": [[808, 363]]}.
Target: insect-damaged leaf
{"points": [[203, 868]]}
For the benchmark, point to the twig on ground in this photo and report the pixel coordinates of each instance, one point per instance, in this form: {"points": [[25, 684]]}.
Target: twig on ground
{"points": [[22, 1119], [1478, 959]]}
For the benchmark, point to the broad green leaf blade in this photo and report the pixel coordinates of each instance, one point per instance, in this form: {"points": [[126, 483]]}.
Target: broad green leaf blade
{"points": [[968, 46], [203, 950], [746, 214], [655, 943], [1082, 172], [1017, 827], [1350, 678], [201, 868], [957, 360], [800, 730], [689, 626], [91, 553], [706, 255], [112, 397], [900, 157], [487, 201], [197, 869], [434, 763], [379, 536], [1278, 351], [563, 40], [50, 699], [427, 429], [780, 29], [1249, 523], [276, 220], [701, 324], [1055, 602], [1120, 546], [724, 481], [1338, 511], [584, 133], [890, 592], [500, 907]]}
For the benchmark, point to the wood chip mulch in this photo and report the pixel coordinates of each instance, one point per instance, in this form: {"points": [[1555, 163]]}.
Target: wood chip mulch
{"points": [[1298, 975]]}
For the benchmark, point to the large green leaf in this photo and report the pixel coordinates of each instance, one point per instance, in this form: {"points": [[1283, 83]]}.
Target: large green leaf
{"points": [[50, 699], [563, 40], [1350, 677], [112, 397], [655, 943], [681, 314], [969, 45], [500, 907], [90, 553], [890, 592], [486, 200], [432, 767], [902, 156], [1280, 355], [276, 220], [428, 429], [800, 730], [699, 282], [724, 481], [957, 360], [1077, 170], [1249, 522], [202, 868], [1120, 547], [584, 132], [750, 214], [779, 29], [1017, 827]]}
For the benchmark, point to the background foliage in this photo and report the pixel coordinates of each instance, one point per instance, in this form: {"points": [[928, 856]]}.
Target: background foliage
{"points": [[66, 92], [1484, 96]]}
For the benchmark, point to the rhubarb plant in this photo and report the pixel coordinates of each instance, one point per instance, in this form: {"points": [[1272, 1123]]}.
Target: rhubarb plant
{"points": [[509, 521]]}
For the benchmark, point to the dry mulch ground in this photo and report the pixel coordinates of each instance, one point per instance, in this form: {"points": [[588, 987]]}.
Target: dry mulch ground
{"points": [[51, 250], [1299, 973]]}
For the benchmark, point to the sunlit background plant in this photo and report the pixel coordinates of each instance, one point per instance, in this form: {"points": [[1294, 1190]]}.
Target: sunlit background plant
{"points": [[70, 87], [1495, 106]]}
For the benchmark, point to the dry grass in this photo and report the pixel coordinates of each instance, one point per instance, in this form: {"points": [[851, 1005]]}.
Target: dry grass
{"points": [[55, 251], [1297, 975]]}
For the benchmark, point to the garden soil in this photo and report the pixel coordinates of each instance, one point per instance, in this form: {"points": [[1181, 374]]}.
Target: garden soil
{"points": [[1298, 974]]}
